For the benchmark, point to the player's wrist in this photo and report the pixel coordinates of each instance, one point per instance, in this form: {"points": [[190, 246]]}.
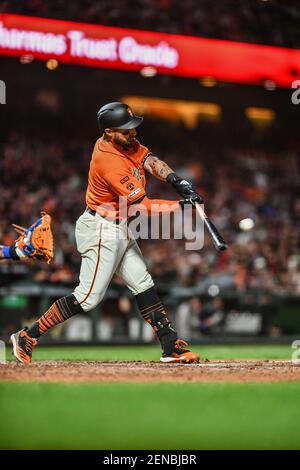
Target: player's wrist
{"points": [[171, 178], [9, 252]]}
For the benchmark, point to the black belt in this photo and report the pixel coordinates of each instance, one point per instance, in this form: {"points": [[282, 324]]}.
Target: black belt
{"points": [[92, 212]]}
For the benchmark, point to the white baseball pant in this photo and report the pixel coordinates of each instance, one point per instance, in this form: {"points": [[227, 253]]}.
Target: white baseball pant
{"points": [[107, 249]]}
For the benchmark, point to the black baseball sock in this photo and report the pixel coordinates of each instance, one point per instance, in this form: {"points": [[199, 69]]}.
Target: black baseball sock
{"points": [[153, 312], [60, 311]]}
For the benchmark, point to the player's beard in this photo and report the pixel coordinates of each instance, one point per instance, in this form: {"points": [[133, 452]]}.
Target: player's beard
{"points": [[124, 143]]}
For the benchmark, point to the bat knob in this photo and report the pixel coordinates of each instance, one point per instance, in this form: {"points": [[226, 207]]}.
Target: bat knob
{"points": [[223, 247]]}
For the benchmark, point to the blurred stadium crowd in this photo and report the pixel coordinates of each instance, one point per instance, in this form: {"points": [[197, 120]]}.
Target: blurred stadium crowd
{"points": [[251, 191], [41, 174], [270, 22]]}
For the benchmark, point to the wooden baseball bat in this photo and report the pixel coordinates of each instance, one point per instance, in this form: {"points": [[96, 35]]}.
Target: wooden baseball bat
{"points": [[213, 231]]}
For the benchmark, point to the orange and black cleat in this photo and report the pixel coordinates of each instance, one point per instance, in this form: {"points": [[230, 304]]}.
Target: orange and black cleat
{"points": [[180, 354], [22, 346]]}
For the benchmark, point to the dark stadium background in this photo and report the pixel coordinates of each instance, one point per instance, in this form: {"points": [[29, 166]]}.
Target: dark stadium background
{"points": [[96, 382], [244, 168]]}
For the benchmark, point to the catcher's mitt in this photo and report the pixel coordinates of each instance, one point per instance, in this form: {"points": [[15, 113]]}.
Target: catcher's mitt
{"points": [[37, 240]]}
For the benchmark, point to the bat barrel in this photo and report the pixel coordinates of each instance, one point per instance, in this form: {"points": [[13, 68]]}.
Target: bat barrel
{"points": [[217, 238], [213, 231]]}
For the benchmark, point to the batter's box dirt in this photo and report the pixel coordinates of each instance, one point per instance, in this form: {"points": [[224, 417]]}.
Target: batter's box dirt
{"points": [[113, 371]]}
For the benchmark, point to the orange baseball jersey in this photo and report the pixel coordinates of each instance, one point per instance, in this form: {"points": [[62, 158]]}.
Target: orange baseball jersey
{"points": [[113, 174]]}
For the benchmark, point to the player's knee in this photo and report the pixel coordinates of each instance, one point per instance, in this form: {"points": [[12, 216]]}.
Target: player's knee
{"points": [[88, 301], [145, 284]]}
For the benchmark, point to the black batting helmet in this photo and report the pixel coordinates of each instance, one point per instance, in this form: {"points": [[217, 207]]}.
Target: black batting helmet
{"points": [[117, 116]]}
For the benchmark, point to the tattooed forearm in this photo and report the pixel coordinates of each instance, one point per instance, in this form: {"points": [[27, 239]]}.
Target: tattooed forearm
{"points": [[157, 168]]}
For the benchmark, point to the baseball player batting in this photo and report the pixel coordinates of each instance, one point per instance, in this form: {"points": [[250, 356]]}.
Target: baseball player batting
{"points": [[106, 244]]}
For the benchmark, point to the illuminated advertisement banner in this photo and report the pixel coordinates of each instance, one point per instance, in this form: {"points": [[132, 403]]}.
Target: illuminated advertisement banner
{"points": [[128, 49]]}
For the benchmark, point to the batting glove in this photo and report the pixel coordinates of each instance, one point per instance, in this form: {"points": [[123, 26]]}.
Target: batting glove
{"points": [[184, 188]]}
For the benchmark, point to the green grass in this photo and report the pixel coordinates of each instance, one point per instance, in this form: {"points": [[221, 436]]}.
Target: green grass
{"points": [[150, 416], [148, 353]]}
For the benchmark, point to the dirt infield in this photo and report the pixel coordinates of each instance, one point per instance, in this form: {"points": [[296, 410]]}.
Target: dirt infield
{"points": [[113, 371]]}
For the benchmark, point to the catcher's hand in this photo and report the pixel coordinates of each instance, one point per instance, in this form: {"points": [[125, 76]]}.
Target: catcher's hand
{"points": [[37, 240]]}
